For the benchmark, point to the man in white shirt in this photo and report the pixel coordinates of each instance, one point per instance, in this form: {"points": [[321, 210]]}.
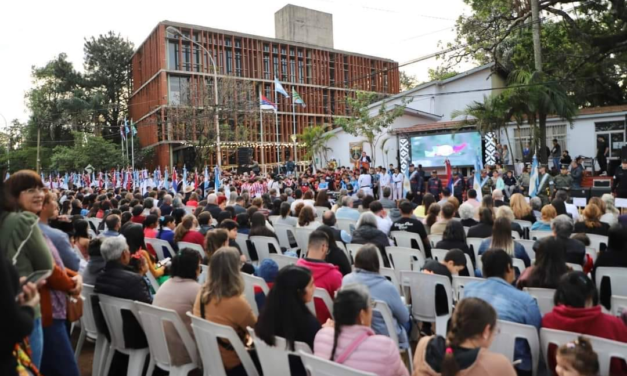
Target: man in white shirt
{"points": [[384, 223], [365, 182], [385, 181]]}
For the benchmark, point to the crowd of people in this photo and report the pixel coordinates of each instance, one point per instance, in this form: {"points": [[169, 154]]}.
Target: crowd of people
{"points": [[98, 237]]}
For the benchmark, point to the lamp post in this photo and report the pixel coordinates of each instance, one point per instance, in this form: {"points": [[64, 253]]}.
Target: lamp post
{"points": [[216, 119]]}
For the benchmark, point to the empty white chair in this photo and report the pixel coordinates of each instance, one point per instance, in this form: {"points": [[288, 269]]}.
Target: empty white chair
{"points": [[89, 331], [469, 265], [283, 260], [505, 339], [539, 234], [262, 246], [302, 239], [282, 232], [617, 277], [422, 291], [402, 258], [515, 235], [321, 367], [459, 283], [347, 225], [438, 254], [242, 242], [528, 244], [153, 320], [250, 281], [544, 298], [404, 239], [435, 239], [323, 295], [391, 275], [353, 248], [207, 334], [158, 245], [196, 247], [605, 348], [619, 305], [275, 359], [390, 324], [518, 264], [112, 311]]}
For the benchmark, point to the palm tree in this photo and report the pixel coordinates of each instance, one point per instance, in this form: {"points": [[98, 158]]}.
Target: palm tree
{"points": [[316, 139]]}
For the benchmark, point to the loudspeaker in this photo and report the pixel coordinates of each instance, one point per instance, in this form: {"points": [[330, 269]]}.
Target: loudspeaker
{"points": [[244, 155], [598, 192], [601, 183], [581, 193]]}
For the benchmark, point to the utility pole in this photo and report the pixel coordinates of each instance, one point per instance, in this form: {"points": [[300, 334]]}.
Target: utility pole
{"points": [[535, 27]]}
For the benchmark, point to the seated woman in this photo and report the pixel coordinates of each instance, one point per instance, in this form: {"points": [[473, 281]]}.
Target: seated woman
{"points": [[577, 310], [243, 224], [550, 265], [506, 212], [179, 294], [150, 226], [466, 349], [134, 235], [454, 237], [285, 313], [366, 231], [614, 256], [544, 224], [221, 300], [502, 239], [307, 219], [193, 200], [522, 210], [432, 217], [422, 210], [352, 342], [467, 215], [187, 231], [611, 213], [367, 273], [592, 222], [322, 199], [484, 228]]}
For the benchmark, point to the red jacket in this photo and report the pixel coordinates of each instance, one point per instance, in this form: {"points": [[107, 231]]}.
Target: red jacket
{"points": [[326, 276], [588, 321], [194, 237]]}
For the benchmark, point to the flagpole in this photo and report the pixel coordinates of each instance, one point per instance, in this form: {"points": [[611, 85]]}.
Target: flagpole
{"points": [[294, 129], [276, 126], [132, 145], [261, 124]]}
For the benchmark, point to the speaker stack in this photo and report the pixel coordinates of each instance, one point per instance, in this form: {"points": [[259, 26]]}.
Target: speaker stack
{"points": [[244, 158], [600, 187]]}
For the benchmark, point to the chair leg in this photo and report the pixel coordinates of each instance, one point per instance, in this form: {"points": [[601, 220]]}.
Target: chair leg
{"points": [[107, 365], [79, 344], [151, 367], [136, 362], [410, 361], [100, 354]]}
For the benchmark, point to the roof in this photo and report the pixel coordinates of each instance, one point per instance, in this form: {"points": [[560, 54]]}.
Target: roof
{"points": [[442, 125]]}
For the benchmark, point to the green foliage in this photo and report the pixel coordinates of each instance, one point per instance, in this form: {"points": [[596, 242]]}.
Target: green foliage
{"points": [[407, 81], [441, 73], [316, 139], [87, 150]]}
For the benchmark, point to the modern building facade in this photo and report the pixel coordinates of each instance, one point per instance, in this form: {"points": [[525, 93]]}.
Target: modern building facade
{"points": [[165, 64]]}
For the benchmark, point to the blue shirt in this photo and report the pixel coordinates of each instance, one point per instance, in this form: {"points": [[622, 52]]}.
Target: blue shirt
{"points": [[62, 243], [347, 213], [512, 305], [540, 226]]}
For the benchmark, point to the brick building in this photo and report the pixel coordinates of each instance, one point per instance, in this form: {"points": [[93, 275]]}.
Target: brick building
{"points": [[303, 58]]}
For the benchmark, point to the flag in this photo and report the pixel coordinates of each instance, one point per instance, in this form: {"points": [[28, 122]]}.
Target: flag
{"points": [[126, 130], [165, 179], [217, 178], [533, 179], [297, 98], [449, 175], [174, 183], [279, 88], [196, 178], [6, 176], [133, 128], [476, 184], [267, 104], [122, 132], [184, 177], [206, 184]]}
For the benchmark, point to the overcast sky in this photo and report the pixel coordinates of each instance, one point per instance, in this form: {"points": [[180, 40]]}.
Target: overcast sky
{"points": [[33, 32]]}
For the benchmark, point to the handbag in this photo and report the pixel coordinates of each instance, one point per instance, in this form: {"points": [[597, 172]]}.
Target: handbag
{"points": [[74, 308]]}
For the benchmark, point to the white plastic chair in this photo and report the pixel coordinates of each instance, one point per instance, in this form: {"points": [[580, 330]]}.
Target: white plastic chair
{"points": [[523, 224], [469, 265], [153, 320], [262, 246], [342, 246], [592, 253], [515, 235], [94, 223], [112, 311], [402, 258], [320, 210], [274, 219], [617, 277], [158, 245], [242, 242], [250, 281], [422, 291], [597, 240], [196, 247], [391, 275], [518, 264], [474, 244], [282, 232], [347, 225], [321, 367], [153, 281], [538, 234], [439, 254], [404, 239], [528, 244], [283, 260], [390, 324], [302, 239], [353, 248], [605, 348], [459, 283], [619, 305], [544, 298], [189, 209], [207, 334], [204, 272], [435, 239], [320, 293], [275, 359], [89, 331], [505, 340]]}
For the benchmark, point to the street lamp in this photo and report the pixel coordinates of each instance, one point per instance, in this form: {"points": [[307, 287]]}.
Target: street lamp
{"points": [[216, 119]]}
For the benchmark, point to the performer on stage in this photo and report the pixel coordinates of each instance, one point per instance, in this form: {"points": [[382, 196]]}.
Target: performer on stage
{"points": [[365, 182], [385, 180], [620, 178], [397, 180], [365, 161]]}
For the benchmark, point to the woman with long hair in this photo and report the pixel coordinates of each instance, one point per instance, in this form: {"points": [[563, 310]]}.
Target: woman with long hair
{"points": [[544, 224], [80, 236], [502, 239], [486, 223], [432, 216], [193, 200], [258, 226], [187, 231], [522, 210], [611, 213], [214, 240], [506, 212], [487, 202], [454, 237], [352, 342], [592, 221], [323, 199], [307, 219], [550, 265], [422, 210], [221, 300], [65, 208], [466, 347], [285, 313]]}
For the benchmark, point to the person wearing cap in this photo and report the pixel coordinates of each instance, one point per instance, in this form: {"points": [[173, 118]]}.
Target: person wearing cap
{"points": [[523, 180], [434, 186], [545, 184], [563, 181], [416, 181], [619, 184]]}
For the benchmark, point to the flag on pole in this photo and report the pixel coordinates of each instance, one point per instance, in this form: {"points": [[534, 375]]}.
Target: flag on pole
{"points": [[533, 178], [297, 98], [217, 178], [6, 176], [196, 178], [126, 130], [165, 179], [184, 177], [174, 183], [206, 183], [279, 88], [133, 128], [122, 132], [267, 104], [449, 175]]}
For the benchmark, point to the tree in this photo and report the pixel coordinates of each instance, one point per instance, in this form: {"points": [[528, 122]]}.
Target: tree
{"points": [[441, 73], [368, 122], [316, 139], [407, 81], [87, 150]]}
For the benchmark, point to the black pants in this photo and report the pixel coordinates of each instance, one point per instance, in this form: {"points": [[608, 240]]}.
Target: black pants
{"points": [[602, 163]]}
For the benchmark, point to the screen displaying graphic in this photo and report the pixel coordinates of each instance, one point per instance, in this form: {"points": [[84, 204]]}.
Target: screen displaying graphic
{"points": [[432, 151]]}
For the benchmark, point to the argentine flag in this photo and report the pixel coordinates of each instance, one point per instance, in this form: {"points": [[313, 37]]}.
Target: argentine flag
{"points": [[533, 179], [279, 88], [476, 182]]}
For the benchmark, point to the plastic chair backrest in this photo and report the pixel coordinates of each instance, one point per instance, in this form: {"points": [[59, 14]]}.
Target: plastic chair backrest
{"points": [[273, 219], [544, 298], [392, 276], [275, 359], [402, 258], [88, 312], [242, 242], [598, 242], [404, 239], [321, 367], [474, 244], [282, 232], [342, 246], [207, 334], [528, 244], [320, 293], [158, 245], [94, 223], [469, 265], [539, 234], [422, 291], [592, 253], [617, 276], [515, 235], [347, 225], [320, 210], [619, 305], [112, 311], [505, 339], [283, 260], [439, 254], [250, 281], [204, 272], [385, 312], [605, 348], [153, 320], [153, 281], [302, 239], [523, 224], [262, 246], [459, 283], [466, 230], [518, 264], [196, 247], [354, 248], [435, 239], [189, 209]]}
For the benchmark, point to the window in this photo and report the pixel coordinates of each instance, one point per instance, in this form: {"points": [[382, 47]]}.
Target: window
{"points": [[607, 126], [173, 55], [291, 52], [275, 50], [266, 67], [187, 63], [178, 90], [292, 70], [523, 136], [300, 54], [301, 76], [238, 63], [266, 48], [275, 61], [283, 50], [283, 69], [196, 59]]}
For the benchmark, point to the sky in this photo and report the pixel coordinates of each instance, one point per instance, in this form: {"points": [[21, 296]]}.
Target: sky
{"points": [[34, 32]]}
